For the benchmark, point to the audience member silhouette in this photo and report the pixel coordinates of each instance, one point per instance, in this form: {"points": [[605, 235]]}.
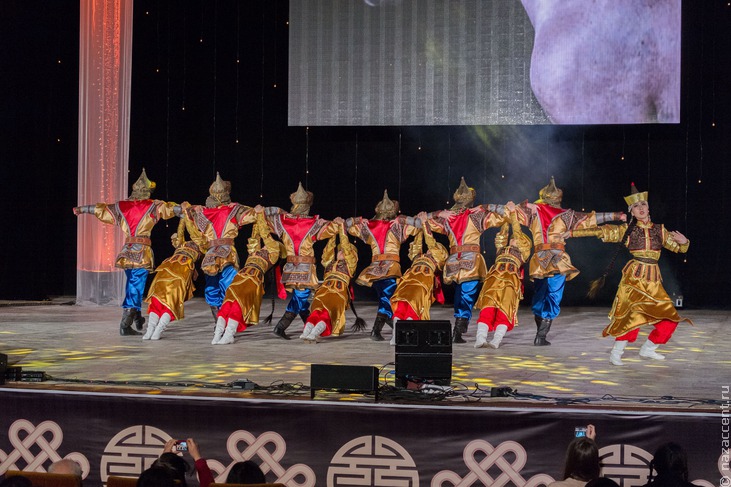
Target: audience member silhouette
{"points": [[157, 476], [602, 482], [66, 466], [582, 461], [671, 465], [246, 472]]}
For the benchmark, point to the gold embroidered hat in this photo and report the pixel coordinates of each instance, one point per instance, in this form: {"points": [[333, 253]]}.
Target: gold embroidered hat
{"points": [[142, 188], [219, 192], [301, 200], [551, 194], [386, 209], [635, 196], [464, 195]]}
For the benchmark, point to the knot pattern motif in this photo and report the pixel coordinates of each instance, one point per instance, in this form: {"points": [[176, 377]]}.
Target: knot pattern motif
{"points": [[36, 446], [270, 447], [493, 457]]}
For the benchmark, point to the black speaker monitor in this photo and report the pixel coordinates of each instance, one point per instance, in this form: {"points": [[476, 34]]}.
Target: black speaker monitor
{"points": [[423, 352], [351, 378]]}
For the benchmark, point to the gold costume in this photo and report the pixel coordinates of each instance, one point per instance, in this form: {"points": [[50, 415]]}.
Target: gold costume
{"points": [[299, 234], [136, 219], [333, 294], [173, 282], [548, 224], [502, 288], [641, 298], [219, 226], [385, 238], [247, 288], [464, 228], [416, 288]]}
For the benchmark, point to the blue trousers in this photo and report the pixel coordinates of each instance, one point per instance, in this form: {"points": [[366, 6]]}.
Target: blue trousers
{"points": [[465, 295], [134, 289], [547, 296], [300, 301], [384, 290], [217, 285]]}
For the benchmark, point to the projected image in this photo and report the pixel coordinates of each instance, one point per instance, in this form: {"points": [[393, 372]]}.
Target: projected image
{"points": [[484, 62]]}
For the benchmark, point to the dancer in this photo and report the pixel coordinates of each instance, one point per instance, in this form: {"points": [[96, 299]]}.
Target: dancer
{"points": [[242, 302], [550, 267], [503, 288], [420, 285], [135, 216], [298, 232], [331, 299], [384, 233], [173, 285], [465, 265], [219, 222], [641, 298]]}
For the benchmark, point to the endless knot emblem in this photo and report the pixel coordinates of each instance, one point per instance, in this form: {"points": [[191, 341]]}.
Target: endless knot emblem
{"points": [[491, 457], [298, 475], [36, 445]]}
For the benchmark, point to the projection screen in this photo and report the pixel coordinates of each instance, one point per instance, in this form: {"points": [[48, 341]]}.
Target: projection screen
{"points": [[484, 62]]}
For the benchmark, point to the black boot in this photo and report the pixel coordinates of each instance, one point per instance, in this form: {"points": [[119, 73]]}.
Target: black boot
{"points": [[543, 326], [460, 326], [284, 323], [381, 320], [214, 312], [125, 326], [304, 314], [139, 320]]}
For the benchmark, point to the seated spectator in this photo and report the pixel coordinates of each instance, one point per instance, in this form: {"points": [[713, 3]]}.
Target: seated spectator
{"points": [[180, 467], [246, 472], [582, 461], [671, 464], [602, 482], [68, 467], [16, 481], [157, 477]]}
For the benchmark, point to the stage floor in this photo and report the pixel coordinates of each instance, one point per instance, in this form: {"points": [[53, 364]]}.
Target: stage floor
{"points": [[80, 349]]}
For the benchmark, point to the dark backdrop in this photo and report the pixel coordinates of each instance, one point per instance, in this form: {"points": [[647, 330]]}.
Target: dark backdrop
{"points": [[196, 110]]}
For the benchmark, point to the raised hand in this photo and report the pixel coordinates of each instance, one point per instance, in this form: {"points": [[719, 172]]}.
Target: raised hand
{"points": [[679, 237]]}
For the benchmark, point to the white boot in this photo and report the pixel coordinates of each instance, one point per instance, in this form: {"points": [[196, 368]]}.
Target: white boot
{"points": [[500, 332], [218, 332], [307, 330], [151, 324], [481, 336], [393, 335], [615, 356], [316, 332], [161, 325], [228, 333], [648, 351]]}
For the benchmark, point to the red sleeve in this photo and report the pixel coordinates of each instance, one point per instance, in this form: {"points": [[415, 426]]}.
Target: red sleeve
{"points": [[205, 477]]}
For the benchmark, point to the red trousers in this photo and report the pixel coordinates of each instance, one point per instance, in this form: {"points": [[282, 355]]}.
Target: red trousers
{"points": [[319, 315], [660, 335], [159, 309], [493, 317], [231, 309], [404, 311]]}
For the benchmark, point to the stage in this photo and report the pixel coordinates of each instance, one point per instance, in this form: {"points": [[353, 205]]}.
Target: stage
{"points": [[111, 402], [79, 348]]}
